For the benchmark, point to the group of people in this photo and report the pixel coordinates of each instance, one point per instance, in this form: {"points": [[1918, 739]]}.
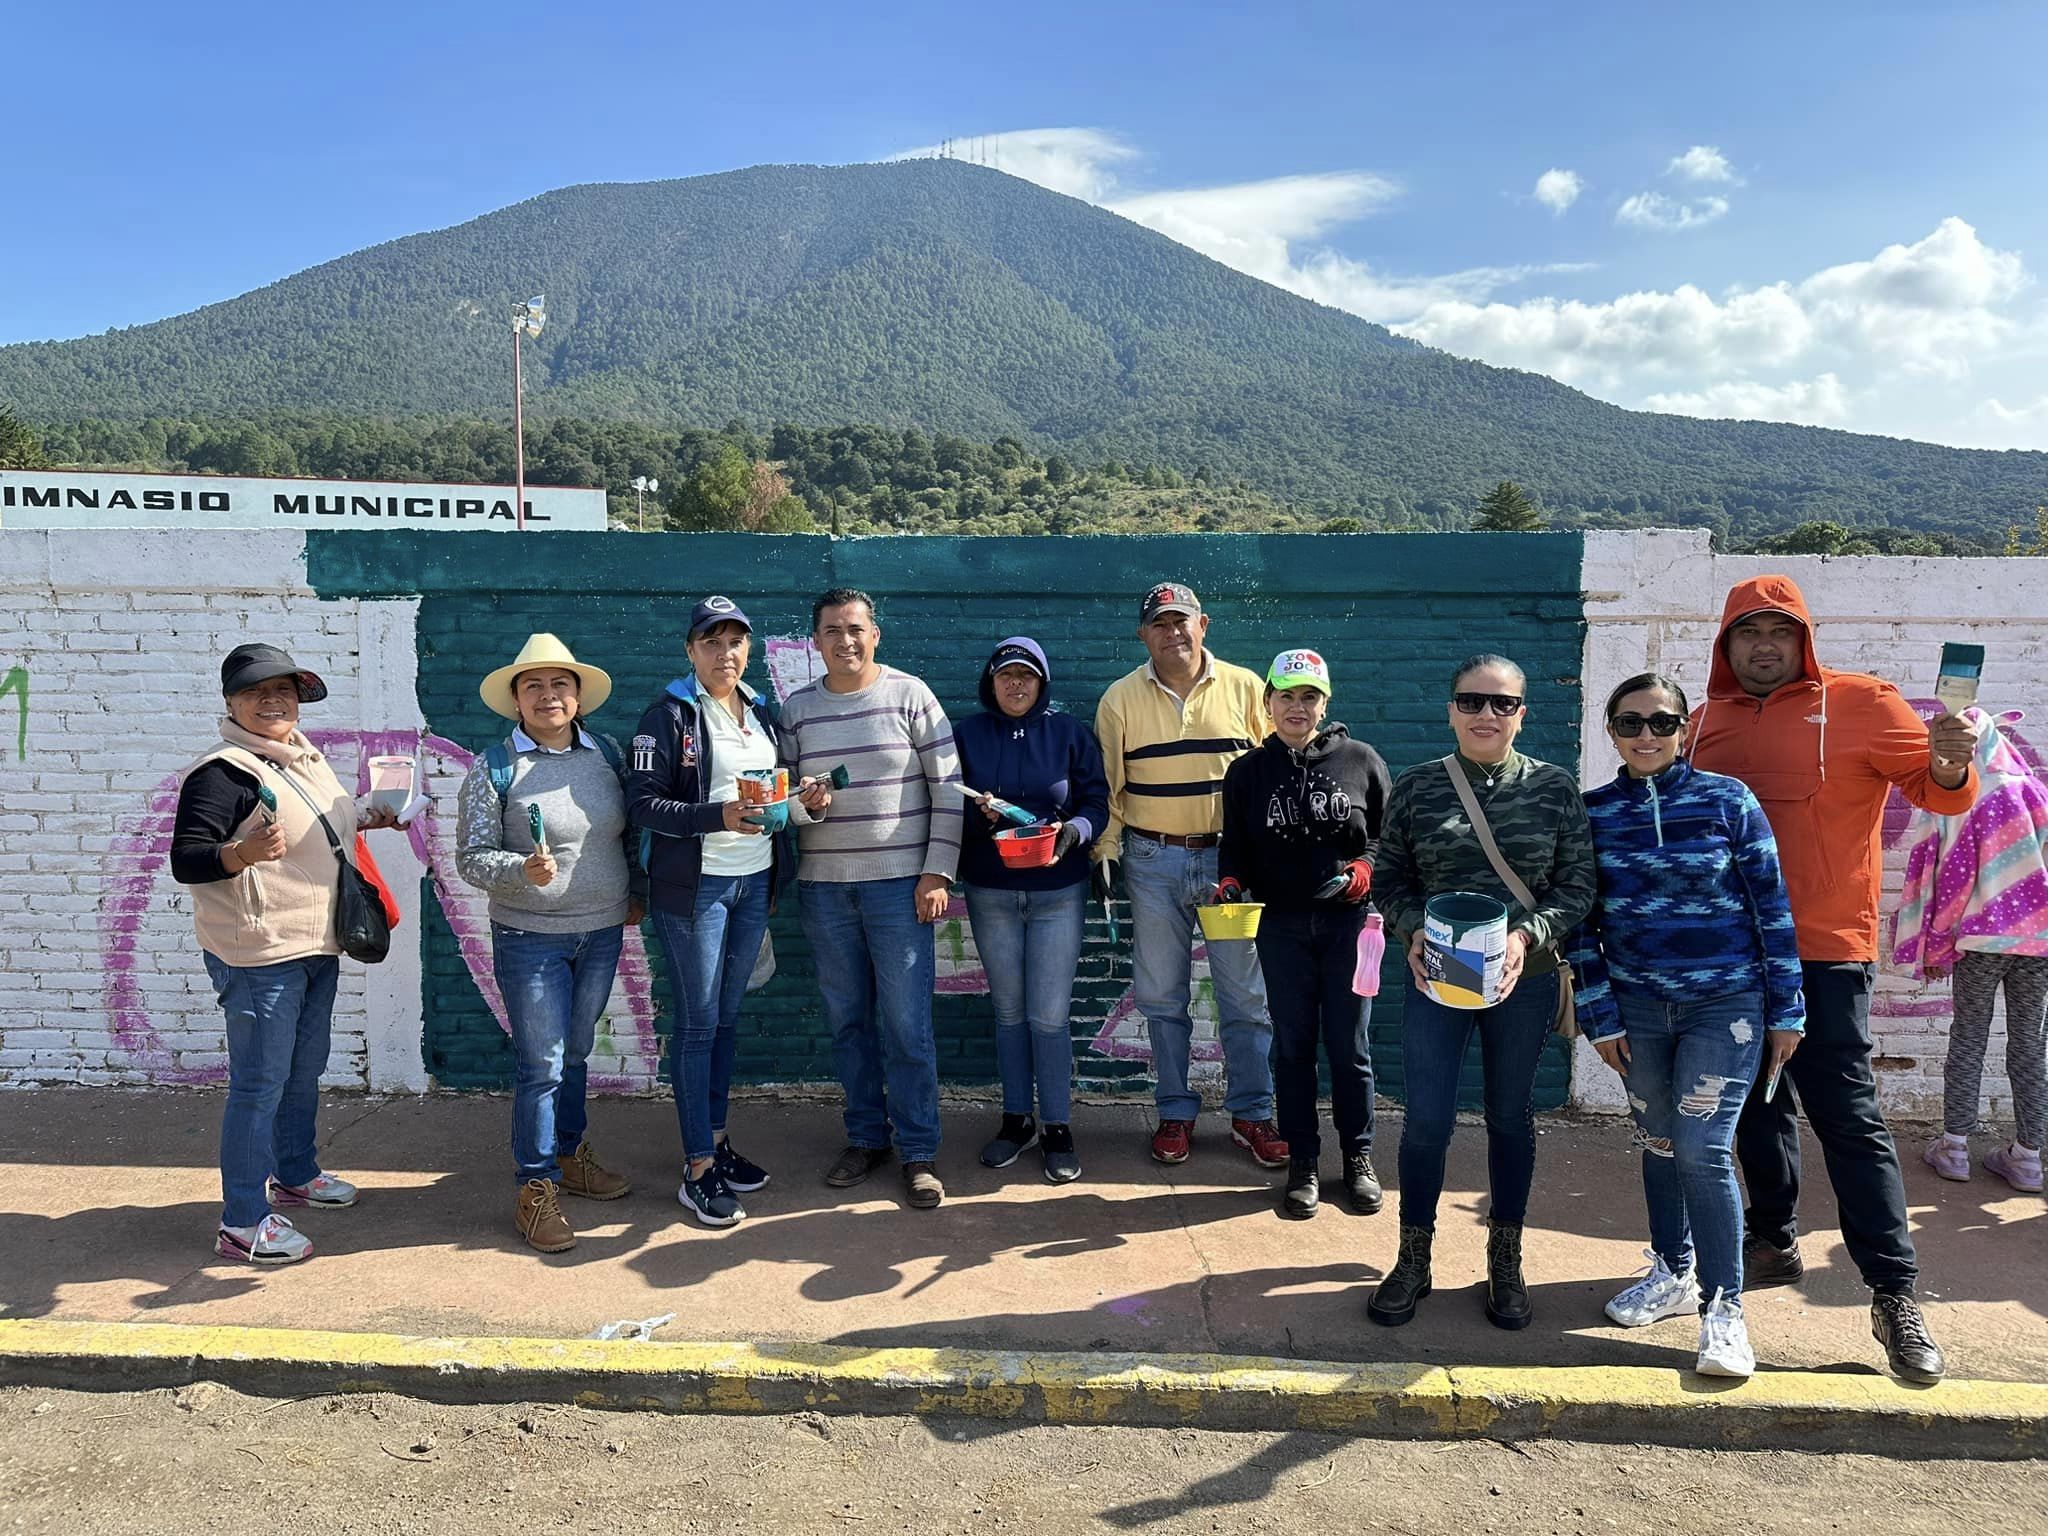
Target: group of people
{"points": [[1709, 919]]}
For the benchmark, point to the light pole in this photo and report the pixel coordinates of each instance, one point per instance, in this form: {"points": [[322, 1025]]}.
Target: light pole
{"points": [[641, 485], [527, 319]]}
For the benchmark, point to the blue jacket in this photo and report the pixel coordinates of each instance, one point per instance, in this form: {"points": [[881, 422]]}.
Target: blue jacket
{"points": [[668, 781], [1046, 762], [1692, 902]]}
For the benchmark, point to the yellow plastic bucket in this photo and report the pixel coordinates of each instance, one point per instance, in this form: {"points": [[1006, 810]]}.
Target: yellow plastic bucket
{"points": [[1231, 919]]}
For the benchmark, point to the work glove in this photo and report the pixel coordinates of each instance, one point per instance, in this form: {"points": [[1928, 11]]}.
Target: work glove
{"points": [[1227, 890], [1357, 881], [1068, 840], [1102, 879]]}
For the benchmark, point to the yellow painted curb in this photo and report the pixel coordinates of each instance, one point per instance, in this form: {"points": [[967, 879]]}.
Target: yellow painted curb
{"points": [[1802, 1410]]}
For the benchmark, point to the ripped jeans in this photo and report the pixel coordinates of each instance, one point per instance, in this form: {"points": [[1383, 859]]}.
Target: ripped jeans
{"points": [[1690, 1066]]}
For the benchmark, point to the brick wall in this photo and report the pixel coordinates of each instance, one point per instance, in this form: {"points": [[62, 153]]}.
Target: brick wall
{"points": [[1654, 600], [110, 643], [118, 640]]}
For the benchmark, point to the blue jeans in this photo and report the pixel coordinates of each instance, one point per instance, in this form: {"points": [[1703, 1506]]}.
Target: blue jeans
{"points": [[1030, 946], [279, 1018], [1165, 884], [1309, 957], [1689, 1070], [1433, 1041], [876, 965], [555, 987], [711, 953]]}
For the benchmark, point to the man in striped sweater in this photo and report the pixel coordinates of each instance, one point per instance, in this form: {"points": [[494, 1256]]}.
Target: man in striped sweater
{"points": [[873, 878], [1168, 731]]}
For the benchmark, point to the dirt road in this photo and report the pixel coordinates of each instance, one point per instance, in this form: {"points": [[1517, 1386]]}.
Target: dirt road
{"points": [[207, 1459]]}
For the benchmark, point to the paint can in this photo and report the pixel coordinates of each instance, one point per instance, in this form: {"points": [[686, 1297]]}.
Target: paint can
{"points": [[1464, 942], [762, 786]]}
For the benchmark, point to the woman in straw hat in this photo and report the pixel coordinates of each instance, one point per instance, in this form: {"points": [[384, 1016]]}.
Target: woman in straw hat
{"points": [[544, 834]]}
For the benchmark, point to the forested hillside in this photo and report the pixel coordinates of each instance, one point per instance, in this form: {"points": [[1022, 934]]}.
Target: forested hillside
{"points": [[952, 299]]}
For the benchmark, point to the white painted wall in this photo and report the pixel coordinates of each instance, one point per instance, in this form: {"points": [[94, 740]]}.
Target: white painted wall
{"points": [[122, 634], [1653, 600]]}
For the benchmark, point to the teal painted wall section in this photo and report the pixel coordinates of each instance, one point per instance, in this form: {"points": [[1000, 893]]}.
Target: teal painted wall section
{"points": [[1393, 613]]}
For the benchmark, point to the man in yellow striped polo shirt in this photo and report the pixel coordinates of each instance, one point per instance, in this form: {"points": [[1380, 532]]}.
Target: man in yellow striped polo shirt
{"points": [[1168, 732]]}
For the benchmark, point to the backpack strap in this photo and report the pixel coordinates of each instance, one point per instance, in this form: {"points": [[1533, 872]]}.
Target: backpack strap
{"points": [[610, 749], [498, 763]]}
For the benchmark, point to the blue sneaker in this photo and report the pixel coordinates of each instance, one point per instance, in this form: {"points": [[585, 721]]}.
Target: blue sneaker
{"points": [[740, 1173], [710, 1200]]}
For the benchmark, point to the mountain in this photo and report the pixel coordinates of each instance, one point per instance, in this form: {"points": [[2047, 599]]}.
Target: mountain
{"points": [[957, 299]]}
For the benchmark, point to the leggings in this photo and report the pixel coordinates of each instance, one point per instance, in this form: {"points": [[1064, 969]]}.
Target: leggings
{"points": [[1978, 977]]}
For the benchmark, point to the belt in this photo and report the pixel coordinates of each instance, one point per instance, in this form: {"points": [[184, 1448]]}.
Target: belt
{"points": [[1177, 839]]}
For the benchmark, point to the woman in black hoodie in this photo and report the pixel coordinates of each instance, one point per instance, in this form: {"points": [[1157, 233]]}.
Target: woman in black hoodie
{"points": [[1301, 825]]}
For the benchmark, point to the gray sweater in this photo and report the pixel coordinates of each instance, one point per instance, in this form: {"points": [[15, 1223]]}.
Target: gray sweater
{"points": [[900, 815], [584, 811]]}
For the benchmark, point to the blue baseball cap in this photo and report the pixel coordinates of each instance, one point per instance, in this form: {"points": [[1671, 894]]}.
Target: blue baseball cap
{"points": [[714, 611]]}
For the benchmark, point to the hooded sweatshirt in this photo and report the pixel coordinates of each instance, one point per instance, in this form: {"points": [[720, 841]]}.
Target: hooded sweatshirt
{"points": [[1692, 901], [1292, 819], [1046, 762], [1821, 754], [1979, 882]]}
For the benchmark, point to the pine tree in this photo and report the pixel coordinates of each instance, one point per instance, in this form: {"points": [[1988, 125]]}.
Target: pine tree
{"points": [[19, 446], [1507, 509]]}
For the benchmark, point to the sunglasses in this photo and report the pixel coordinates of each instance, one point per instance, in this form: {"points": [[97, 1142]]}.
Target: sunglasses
{"points": [[1631, 726], [1500, 703]]}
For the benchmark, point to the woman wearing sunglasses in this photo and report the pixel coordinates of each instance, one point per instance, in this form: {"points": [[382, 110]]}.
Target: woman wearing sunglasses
{"points": [[1687, 962], [1430, 848]]}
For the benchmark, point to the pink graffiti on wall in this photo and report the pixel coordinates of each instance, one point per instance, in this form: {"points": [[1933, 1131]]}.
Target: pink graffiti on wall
{"points": [[1931, 1000], [139, 852]]}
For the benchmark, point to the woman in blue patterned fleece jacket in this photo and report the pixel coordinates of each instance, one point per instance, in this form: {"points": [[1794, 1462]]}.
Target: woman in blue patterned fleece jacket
{"points": [[1686, 963]]}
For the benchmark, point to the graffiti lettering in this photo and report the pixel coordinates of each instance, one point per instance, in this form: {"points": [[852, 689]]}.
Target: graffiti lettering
{"points": [[16, 683]]}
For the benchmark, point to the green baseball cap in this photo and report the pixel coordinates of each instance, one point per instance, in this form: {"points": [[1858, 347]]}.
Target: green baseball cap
{"points": [[1299, 669]]}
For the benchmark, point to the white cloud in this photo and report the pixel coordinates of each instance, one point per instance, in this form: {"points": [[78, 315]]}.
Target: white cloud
{"points": [[1816, 402], [1906, 326], [1925, 339], [1653, 210], [1558, 189], [1076, 161], [1703, 163]]}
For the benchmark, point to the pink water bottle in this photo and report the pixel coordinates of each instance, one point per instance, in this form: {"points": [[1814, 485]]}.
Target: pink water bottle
{"points": [[1372, 948]]}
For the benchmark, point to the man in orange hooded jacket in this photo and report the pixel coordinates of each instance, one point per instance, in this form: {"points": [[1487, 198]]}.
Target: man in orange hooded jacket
{"points": [[1822, 751]]}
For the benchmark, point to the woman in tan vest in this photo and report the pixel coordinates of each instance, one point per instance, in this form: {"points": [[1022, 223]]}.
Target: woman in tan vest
{"points": [[265, 886]]}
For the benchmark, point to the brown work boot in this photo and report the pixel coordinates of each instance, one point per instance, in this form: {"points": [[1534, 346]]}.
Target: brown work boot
{"points": [[583, 1174], [541, 1221]]}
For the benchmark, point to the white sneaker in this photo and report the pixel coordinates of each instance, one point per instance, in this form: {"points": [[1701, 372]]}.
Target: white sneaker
{"points": [[1658, 1295], [273, 1240], [325, 1190], [1724, 1340]]}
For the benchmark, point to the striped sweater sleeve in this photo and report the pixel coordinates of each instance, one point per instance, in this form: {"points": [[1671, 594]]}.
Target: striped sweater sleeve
{"points": [[932, 734], [1756, 865]]}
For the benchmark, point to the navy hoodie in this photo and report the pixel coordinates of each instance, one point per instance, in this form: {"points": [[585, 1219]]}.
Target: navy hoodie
{"points": [[1046, 762]]}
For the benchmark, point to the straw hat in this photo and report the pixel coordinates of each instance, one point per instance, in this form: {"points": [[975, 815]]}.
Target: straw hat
{"points": [[546, 651]]}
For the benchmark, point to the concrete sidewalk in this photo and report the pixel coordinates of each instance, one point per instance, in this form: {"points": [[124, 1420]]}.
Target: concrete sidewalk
{"points": [[108, 1201]]}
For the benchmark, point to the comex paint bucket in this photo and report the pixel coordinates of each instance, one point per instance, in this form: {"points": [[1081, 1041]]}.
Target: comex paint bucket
{"points": [[762, 786], [1464, 941]]}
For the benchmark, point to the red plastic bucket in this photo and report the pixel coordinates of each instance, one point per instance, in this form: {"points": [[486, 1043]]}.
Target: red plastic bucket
{"points": [[1026, 847]]}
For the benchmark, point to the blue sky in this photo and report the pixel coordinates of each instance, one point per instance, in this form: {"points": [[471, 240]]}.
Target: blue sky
{"points": [[1827, 213]]}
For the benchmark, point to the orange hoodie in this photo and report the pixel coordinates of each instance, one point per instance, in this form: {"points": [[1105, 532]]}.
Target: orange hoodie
{"points": [[1821, 754]]}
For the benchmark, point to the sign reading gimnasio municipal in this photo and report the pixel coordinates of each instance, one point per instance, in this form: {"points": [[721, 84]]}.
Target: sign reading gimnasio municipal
{"points": [[39, 498]]}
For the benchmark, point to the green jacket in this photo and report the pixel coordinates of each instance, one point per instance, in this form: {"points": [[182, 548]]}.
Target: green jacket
{"points": [[1539, 820]]}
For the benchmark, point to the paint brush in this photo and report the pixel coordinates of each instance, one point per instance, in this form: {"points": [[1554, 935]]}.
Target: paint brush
{"points": [[538, 827], [267, 798], [1000, 806]]}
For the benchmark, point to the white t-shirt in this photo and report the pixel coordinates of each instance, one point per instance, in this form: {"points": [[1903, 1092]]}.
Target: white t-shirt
{"points": [[735, 747]]}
